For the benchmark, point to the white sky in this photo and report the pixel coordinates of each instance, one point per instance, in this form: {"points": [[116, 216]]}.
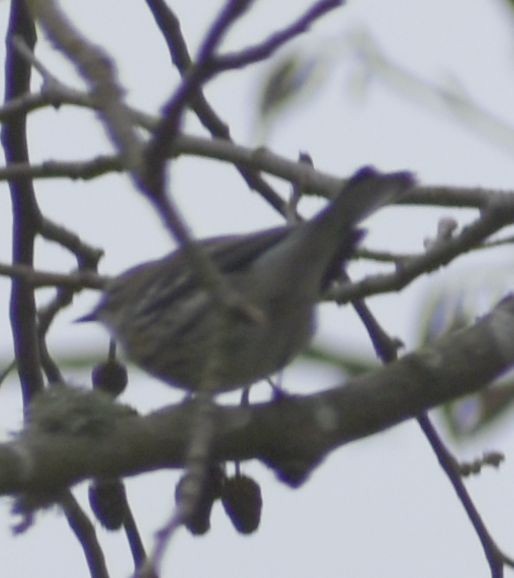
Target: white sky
{"points": [[377, 507]]}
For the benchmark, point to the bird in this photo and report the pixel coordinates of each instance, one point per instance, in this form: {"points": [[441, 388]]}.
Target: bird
{"points": [[168, 323]]}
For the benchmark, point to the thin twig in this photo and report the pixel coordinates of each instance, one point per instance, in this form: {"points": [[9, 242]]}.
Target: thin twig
{"points": [[86, 255], [387, 349], [401, 258], [58, 94], [25, 51], [37, 278], [86, 535], [135, 542], [169, 25], [494, 556], [74, 170], [268, 47], [439, 255], [168, 127], [312, 181], [94, 65]]}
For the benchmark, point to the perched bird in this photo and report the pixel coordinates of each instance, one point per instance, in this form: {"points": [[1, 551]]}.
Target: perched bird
{"points": [[168, 323]]}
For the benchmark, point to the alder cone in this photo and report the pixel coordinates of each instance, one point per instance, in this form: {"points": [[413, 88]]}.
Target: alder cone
{"points": [[242, 500], [108, 501], [110, 377]]}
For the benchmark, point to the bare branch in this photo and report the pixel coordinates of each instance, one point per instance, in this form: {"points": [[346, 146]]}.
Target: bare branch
{"points": [[36, 278], [25, 208], [58, 94], [170, 27], [266, 48], [74, 170], [494, 556], [312, 180], [168, 127], [440, 254], [292, 436], [387, 349], [97, 69], [86, 535]]}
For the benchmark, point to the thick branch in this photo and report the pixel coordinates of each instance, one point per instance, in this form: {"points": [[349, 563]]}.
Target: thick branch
{"points": [[292, 436]]}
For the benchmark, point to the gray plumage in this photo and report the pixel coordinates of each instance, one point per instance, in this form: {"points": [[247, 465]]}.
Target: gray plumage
{"points": [[168, 324]]}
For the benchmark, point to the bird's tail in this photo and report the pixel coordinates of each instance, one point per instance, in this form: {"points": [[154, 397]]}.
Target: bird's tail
{"points": [[330, 237], [365, 192]]}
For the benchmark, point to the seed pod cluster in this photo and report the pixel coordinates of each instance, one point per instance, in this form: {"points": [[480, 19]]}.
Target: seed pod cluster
{"points": [[239, 494], [108, 501]]}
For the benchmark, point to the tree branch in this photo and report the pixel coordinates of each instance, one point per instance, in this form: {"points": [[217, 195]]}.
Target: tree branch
{"points": [[266, 48], [168, 126], [38, 278], [25, 208], [84, 530], [387, 349], [97, 69], [313, 181], [440, 254], [292, 436], [169, 25], [495, 557]]}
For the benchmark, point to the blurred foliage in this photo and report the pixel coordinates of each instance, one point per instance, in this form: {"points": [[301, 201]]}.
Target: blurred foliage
{"points": [[351, 364], [287, 81], [446, 308], [450, 308]]}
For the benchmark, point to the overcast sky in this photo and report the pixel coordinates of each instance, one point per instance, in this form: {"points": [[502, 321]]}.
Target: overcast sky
{"points": [[381, 506]]}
